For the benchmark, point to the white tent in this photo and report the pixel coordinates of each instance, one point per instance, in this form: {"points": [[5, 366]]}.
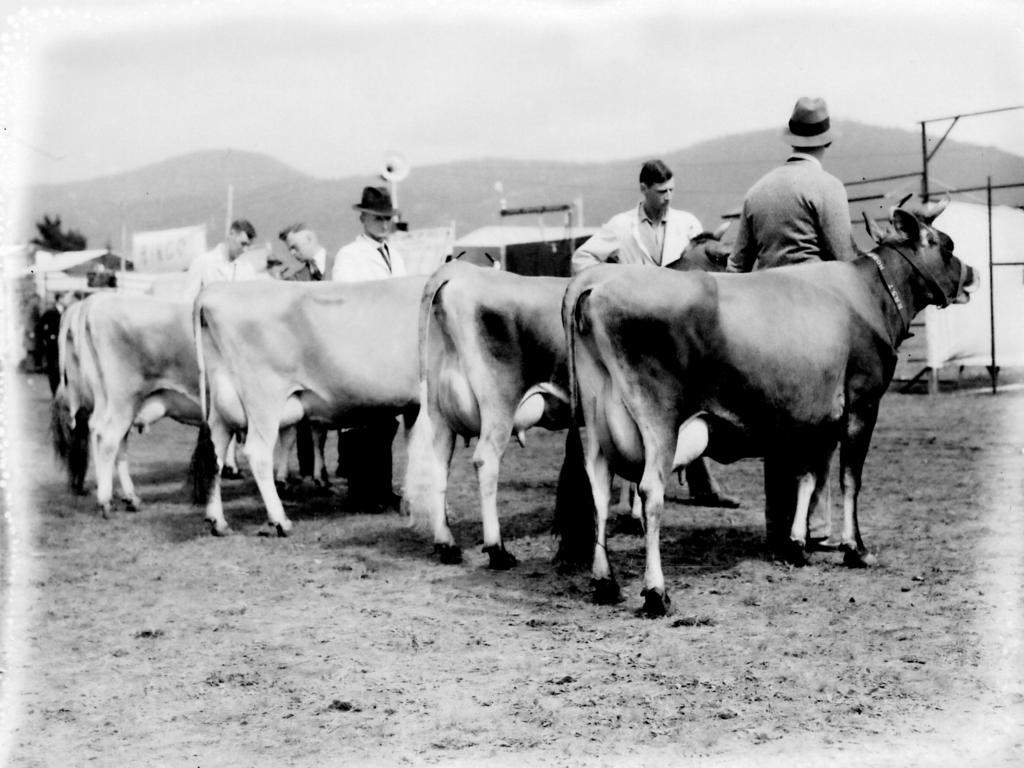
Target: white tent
{"points": [[962, 333]]}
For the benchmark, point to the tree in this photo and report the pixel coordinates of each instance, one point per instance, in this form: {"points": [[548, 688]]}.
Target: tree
{"points": [[53, 238]]}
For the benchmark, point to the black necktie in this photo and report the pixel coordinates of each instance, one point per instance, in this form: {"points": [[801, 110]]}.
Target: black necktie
{"points": [[383, 248]]}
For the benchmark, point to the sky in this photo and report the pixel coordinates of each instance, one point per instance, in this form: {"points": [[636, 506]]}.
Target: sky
{"points": [[334, 88]]}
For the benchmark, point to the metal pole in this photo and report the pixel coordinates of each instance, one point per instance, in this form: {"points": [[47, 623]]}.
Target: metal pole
{"points": [[993, 370], [231, 204], [924, 164]]}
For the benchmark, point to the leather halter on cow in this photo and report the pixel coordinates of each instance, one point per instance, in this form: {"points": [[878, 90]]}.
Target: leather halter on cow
{"points": [[784, 364], [493, 365]]}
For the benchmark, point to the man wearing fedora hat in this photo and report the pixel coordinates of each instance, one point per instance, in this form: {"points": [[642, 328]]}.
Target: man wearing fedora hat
{"points": [[364, 453], [369, 256], [796, 213]]}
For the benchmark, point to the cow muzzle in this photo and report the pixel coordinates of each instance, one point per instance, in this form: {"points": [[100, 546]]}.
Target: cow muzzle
{"points": [[970, 281]]}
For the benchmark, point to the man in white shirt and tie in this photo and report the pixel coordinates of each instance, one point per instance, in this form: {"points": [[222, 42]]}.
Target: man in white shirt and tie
{"points": [[364, 453]]}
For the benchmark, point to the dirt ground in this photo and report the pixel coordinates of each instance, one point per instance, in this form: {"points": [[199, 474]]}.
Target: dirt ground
{"points": [[143, 641]]}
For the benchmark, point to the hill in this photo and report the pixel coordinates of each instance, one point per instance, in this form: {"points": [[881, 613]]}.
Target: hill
{"points": [[711, 179]]}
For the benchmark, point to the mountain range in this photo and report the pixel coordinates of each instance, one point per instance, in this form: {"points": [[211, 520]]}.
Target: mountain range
{"points": [[711, 179]]}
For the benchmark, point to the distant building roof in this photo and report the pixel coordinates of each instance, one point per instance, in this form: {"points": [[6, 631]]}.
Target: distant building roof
{"points": [[497, 236], [62, 262]]}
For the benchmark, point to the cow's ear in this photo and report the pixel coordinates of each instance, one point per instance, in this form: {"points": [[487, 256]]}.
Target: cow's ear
{"points": [[907, 224]]}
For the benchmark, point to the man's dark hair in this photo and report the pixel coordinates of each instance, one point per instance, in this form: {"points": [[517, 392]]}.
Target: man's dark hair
{"points": [[243, 225], [654, 172], [291, 229]]}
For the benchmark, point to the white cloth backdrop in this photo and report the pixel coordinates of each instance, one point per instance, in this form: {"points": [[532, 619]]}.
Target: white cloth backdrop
{"points": [[961, 333]]}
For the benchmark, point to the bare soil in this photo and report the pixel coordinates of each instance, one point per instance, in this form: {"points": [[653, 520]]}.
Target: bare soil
{"points": [[142, 640]]}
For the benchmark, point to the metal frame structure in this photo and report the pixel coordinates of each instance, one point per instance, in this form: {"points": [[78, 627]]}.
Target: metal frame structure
{"points": [[926, 156]]}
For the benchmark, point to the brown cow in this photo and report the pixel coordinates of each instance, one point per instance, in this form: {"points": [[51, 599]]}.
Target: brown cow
{"points": [[273, 352], [782, 363], [493, 365]]}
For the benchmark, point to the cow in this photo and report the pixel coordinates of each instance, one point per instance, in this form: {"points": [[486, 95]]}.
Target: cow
{"points": [[493, 364], [126, 360], [782, 364], [270, 353]]}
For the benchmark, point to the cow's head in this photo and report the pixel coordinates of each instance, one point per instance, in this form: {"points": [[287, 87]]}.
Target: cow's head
{"points": [[705, 252], [947, 279]]}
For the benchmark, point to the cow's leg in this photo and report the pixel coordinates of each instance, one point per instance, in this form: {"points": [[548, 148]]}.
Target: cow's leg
{"points": [[230, 457], [851, 461], [705, 490], [431, 444], [652, 492], [780, 502], [494, 438], [629, 516], [282, 453], [690, 442], [320, 475], [261, 437], [221, 436], [604, 587], [109, 433], [128, 494], [151, 411], [806, 484], [443, 448]]}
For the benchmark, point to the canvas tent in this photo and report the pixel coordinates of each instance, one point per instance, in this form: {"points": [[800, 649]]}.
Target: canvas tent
{"points": [[962, 333], [523, 250], [70, 270]]}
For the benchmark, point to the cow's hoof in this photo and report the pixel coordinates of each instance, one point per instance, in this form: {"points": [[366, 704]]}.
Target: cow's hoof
{"points": [[218, 528], [605, 591], [448, 554], [796, 554], [283, 528], [231, 473], [852, 558], [627, 525], [500, 558], [104, 510], [657, 603], [133, 504]]}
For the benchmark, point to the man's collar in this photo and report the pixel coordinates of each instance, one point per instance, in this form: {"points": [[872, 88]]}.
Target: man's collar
{"points": [[644, 217], [798, 155]]}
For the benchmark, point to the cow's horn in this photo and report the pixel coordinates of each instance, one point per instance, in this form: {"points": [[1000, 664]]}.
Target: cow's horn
{"points": [[936, 209]]}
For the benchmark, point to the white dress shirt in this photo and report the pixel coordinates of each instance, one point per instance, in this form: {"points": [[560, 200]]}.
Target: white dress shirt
{"points": [[362, 259], [214, 267]]}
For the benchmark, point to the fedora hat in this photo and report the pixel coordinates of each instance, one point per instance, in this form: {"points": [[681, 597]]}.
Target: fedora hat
{"points": [[376, 200], [809, 126]]}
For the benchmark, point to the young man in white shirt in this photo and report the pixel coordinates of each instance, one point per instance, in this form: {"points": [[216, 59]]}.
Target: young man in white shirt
{"points": [[223, 262]]}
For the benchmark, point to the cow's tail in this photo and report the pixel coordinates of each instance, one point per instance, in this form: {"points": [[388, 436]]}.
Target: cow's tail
{"points": [[424, 474], [69, 430], [574, 524], [70, 436], [202, 469]]}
